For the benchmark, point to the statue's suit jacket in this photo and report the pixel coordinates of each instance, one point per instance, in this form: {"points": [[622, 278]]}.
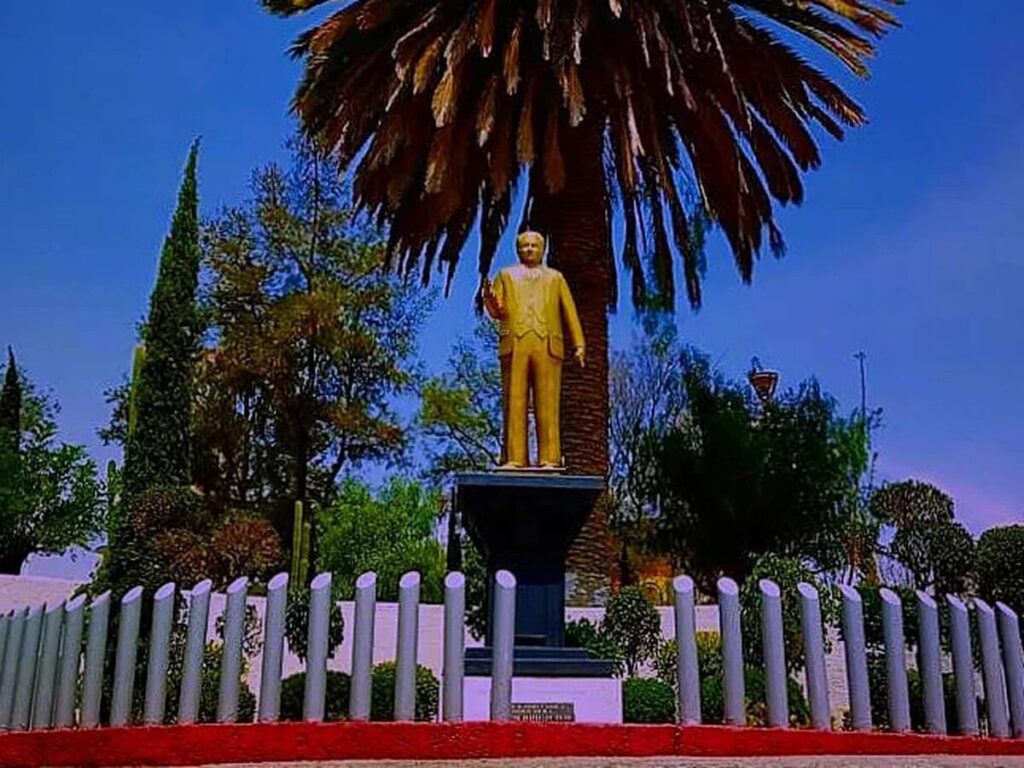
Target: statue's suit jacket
{"points": [[555, 312]]}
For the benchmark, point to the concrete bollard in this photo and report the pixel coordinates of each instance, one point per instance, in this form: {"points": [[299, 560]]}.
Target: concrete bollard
{"points": [[687, 669], [963, 666], [159, 655], [231, 663], [124, 659], [814, 656], [503, 646], [5, 621], [855, 649], [408, 631], [362, 647], [730, 627], [992, 671], [931, 663], [9, 672], [195, 648], [46, 675], [70, 659], [21, 710], [774, 649], [315, 694], [1013, 661], [895, 661], [95, 658], [453, 674], [273, 648]]}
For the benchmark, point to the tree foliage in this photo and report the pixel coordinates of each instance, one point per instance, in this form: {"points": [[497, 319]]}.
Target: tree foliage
{"points": [[676, 92], [159, 450], [389, 533], [735, 481], [1001, 565], [51, 498], [10, 404], [935, 550], [311, 342], [460, 411]]}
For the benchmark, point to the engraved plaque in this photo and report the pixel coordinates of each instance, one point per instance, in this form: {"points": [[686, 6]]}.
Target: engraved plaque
{"points": [[546, 712]]}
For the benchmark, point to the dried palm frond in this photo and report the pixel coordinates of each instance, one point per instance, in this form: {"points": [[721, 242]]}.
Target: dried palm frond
{"points": [[451, 98]]}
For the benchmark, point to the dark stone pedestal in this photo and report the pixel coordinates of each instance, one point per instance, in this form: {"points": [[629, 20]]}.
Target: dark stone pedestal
{"points": [[525, 522]]}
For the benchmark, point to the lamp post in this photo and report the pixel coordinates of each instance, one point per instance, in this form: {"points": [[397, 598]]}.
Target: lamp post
{"points": [[763, 381]]}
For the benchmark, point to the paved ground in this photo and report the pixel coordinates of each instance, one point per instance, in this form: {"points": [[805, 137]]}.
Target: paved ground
{"points": [[819, 762]]}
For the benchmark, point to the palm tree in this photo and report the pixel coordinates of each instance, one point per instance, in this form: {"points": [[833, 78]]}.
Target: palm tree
{"points": [[662, 113]]}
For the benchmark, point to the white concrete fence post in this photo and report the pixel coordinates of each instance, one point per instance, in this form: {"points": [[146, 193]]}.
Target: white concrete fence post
{"points": [[70, 660], [731, 632], [362, 647], [231, 661], [687, 667], [931, 663], [273, 648], [992, 671], [46, 675], [963, 666], [1013, 661], [855, 651], [315, 694], [125, 657], [159, 655], [195, 649], [95, 658], [405, 648], [454, 671], [503, 644], [814, 656], [774, 649]]}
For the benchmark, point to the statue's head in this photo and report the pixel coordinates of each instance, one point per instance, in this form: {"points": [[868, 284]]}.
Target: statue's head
{"points": [[530, 247]]}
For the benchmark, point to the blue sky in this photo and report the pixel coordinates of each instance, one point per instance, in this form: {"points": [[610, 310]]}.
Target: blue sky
{"points": [[909, 246]]}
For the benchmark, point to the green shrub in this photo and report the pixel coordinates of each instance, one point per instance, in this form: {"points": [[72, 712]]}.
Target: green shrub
{"points": [[296, 621], [648, 700], [293, 692], [1000, 563], [583, 633], [383, 686], [712, 699], [632, 624], [787, 573], [709, 658]]}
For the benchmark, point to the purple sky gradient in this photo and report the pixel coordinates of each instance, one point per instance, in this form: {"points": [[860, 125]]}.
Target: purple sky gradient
{"points": [[908, 247]]}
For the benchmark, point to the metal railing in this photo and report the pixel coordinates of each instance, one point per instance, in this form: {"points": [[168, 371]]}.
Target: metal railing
{"points": [[48, 680]]}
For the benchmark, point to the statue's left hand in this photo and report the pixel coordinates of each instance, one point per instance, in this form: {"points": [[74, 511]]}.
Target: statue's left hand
{"points": [[581, 357]]}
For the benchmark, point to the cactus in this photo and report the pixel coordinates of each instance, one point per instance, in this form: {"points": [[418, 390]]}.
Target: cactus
{"points": [[138, 358]]}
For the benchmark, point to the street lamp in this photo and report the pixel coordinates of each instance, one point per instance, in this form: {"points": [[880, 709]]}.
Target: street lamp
{"points": [[763, 381]]}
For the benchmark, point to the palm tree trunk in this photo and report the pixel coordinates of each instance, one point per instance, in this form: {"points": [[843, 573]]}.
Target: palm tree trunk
{"points": [[577, 223]]}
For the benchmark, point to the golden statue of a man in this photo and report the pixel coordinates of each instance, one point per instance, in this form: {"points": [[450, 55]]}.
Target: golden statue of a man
{"points": [[535, 312]]}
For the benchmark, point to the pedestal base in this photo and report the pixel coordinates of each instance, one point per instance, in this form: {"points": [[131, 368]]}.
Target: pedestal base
{"points": [[592, 700], [541, 661]]}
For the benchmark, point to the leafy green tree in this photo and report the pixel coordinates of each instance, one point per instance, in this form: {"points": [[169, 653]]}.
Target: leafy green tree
{"points": [[311, 342], [390, 533], [1001, 565], [460, 411], [787, 572], [935, 550], [159, 450], [632, 624], [51, 498], [10, 404], [735, 481]]}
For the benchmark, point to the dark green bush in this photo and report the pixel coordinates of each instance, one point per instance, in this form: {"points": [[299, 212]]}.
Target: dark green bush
{"points": [[383, 704], [632, 623], [1000, 563], [583, 633], [648, 700], [712, 699], [293, 691]]}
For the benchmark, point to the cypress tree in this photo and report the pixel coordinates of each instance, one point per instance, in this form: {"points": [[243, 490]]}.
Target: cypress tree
{"points": [[10, 403], [158, 452]]}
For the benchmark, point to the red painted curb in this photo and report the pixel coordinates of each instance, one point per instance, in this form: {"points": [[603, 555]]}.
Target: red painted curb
{"points": [[282, 742]]}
